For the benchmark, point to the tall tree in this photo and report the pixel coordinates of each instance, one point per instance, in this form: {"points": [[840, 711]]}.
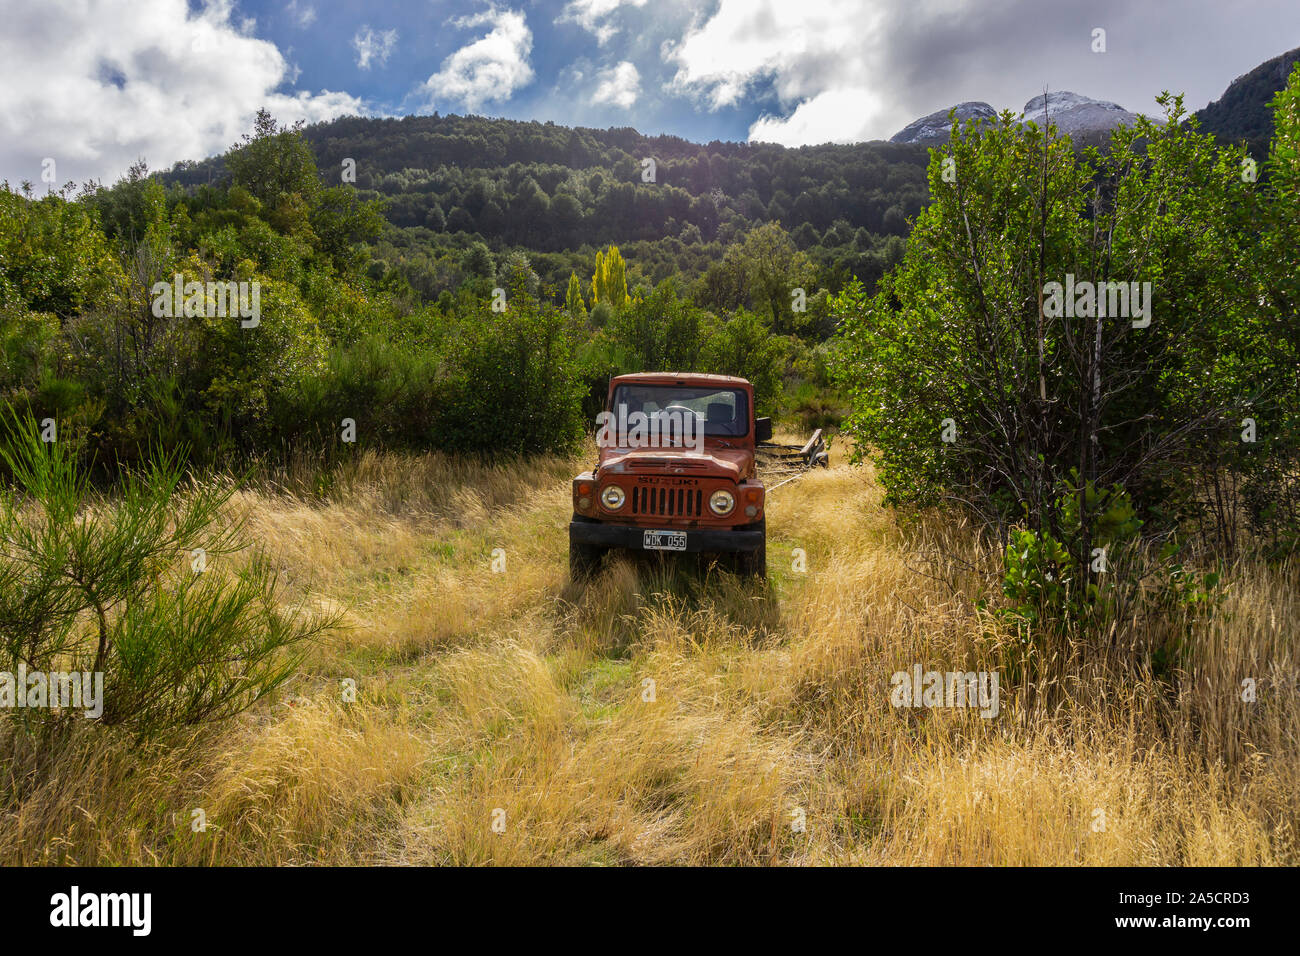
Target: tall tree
{"points": [[573, 303], [774, 269], [1063, 323], [609, 283], [274, 162]]}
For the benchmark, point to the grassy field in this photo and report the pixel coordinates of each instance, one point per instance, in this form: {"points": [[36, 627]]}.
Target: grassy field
{"points": [[482, 692]]}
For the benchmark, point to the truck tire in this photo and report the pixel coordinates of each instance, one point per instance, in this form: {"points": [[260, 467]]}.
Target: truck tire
{"points": [[584, 559], [754, 562]]}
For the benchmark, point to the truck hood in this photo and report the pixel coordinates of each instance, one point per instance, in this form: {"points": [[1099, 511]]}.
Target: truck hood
{"points": [[734, 463]]}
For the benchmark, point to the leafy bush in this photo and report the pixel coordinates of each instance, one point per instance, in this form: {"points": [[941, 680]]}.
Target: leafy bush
{"points": [[1047, 581], [1042, 576], [512, 385], [133, 588], [395, 394], [744, 345]]}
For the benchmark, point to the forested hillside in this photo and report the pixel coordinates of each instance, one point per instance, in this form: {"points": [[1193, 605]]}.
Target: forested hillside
{"points": [[559, 193], [379, 245], [1243, 113], [372, 334]]}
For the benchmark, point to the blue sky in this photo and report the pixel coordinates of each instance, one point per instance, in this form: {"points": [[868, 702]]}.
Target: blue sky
{"points": [[409, 42], [92, 85]]}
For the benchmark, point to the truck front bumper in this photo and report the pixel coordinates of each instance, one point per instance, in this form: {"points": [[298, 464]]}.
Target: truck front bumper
{"points": [[630, 538]]}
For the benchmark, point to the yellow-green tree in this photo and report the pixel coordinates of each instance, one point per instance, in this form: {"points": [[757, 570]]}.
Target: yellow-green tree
{"points": [[573, 303], [609, 284]]}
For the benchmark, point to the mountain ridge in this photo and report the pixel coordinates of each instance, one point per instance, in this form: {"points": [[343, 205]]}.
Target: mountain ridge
{"points": [[1240, 114], [1082, 117]]}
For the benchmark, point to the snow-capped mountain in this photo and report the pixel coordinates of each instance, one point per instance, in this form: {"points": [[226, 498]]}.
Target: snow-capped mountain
{"points": [[1073, 113], [936, 126], [1082, 117]]}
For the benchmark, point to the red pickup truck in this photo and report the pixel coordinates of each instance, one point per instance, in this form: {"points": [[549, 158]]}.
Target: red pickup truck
{"points": [[675, 472]]}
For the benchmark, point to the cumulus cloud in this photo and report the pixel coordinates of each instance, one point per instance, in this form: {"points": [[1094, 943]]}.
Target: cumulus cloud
{"points": [[97, 86], [816, 54], [619, 85], [373, 47], [595, 16], [490, 68], [842, 115]]}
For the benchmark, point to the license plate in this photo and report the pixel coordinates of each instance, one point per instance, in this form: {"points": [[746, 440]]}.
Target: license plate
{"points": [[664, 541]]}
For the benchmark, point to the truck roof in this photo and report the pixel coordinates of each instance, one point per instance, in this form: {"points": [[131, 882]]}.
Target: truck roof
{"points": [[678, 378]]}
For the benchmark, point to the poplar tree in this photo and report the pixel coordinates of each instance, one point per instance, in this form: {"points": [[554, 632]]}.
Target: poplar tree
{"points": [[609, 283], [573, 298]]}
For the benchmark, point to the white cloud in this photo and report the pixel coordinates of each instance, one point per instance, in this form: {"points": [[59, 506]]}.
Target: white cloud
{"points": [[820, 56], [832, 116], [619, 85], [594, 16], [490, 68], [302, 14], [96, 86], [373, 47]]}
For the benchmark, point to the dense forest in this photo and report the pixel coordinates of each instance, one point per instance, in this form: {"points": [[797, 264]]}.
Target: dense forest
{"points": [[378, 245], [674, 207], [497, 361], [1243, 113], [561, 193]]}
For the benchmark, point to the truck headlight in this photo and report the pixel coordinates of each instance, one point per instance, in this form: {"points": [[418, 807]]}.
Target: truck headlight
{"points": [[612, 497], [722, 502]]}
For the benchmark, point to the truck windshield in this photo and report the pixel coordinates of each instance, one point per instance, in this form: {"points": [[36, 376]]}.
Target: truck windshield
{"points": [[725, 410]]}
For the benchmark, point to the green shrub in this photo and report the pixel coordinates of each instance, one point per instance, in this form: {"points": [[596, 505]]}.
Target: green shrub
{"points": [[1048, 580], [394, 393], [134, 588], [512, 386]]}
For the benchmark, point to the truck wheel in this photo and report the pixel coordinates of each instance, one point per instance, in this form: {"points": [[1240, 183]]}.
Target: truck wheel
{"points": [[584, 560], [754, 562]]}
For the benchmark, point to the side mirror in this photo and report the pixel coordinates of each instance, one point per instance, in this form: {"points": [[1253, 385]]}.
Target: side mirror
{"points": [[762, 429]]}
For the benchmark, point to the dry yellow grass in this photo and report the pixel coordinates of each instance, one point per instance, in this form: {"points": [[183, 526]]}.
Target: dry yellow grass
{"points": [[669, 715]]}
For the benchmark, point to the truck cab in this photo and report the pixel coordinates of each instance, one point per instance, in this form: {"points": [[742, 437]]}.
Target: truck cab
{"points": [[675, 472]]}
